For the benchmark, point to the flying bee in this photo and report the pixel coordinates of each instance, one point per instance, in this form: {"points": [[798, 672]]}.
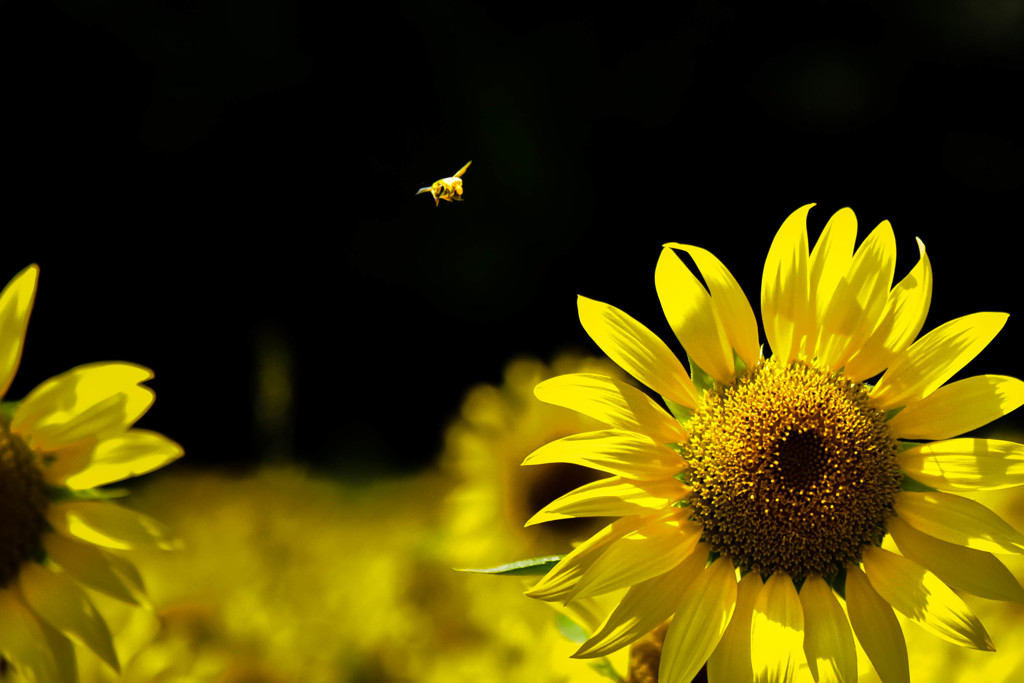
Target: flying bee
{"points": [[448, 189]]}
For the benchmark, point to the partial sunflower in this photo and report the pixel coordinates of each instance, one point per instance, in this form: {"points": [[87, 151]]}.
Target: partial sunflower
{"points": [[71, 434], [754, 508], [483, 515], [492, 496]]}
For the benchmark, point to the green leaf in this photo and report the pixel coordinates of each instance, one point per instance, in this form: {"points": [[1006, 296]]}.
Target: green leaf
{"points": [[570, 629], [532, 567]]}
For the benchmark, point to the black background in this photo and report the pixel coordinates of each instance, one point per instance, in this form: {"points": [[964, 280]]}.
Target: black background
{"points": [[194, 177]]}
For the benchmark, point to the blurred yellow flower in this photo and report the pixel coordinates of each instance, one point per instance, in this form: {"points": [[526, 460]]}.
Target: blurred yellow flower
{"points": [[487, 512], [754, 508], [69, 435], [288, 577], [493, 497]]}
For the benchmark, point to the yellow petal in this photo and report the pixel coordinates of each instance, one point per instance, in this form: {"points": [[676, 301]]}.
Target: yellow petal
{"points": [[859, 299], [637, 350], [904, 316], [23, 641], [615, 403], [657, 545], [829, 264], [131, 454], [702, 617], [626, 454], [89, 565], [965, 464], [613, 497], [688, 309], [777, 631], [876, 628], [95, 401], [730, 662], [958, 520], [966, 569], [923, 598], [58, 600], [729, 303], [959, 407], [560, 581], [828, 640], [644, 607], [15, 308], [786, 310], [108, 525], [934, 358]]}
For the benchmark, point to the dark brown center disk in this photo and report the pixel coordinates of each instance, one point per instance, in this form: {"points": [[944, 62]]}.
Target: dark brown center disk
{"points": [[23, 503], [792, 469]]}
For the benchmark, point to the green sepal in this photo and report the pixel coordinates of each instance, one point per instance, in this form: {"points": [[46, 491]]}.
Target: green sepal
{"points": [[576, 634], [890, 414], [535, 566], [681, 503], [738, 364], [702, 380], [681, 413], [605, 668], [911, 484], [837, 583], [7, 409], [907, 445], [59, 494], [570, 629]]}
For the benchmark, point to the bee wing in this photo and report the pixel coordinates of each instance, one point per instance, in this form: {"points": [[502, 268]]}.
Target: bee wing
{"points": [[463, 169], [422, 190]]}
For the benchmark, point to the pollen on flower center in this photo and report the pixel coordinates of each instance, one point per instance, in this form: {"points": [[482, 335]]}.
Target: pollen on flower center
{"points": [[791, 469], [23, 503]]}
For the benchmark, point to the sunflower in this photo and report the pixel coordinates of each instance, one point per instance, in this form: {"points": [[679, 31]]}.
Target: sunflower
{"points": [[752, 505], [70, 434]]}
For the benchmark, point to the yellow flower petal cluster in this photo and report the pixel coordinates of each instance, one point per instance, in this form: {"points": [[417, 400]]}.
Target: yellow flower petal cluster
{"points": [[938, 660], [71, 434], [752, 502]]}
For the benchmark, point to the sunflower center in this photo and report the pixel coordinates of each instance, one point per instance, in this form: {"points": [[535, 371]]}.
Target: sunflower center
{"points": [[792, 469], [23, 503]]}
